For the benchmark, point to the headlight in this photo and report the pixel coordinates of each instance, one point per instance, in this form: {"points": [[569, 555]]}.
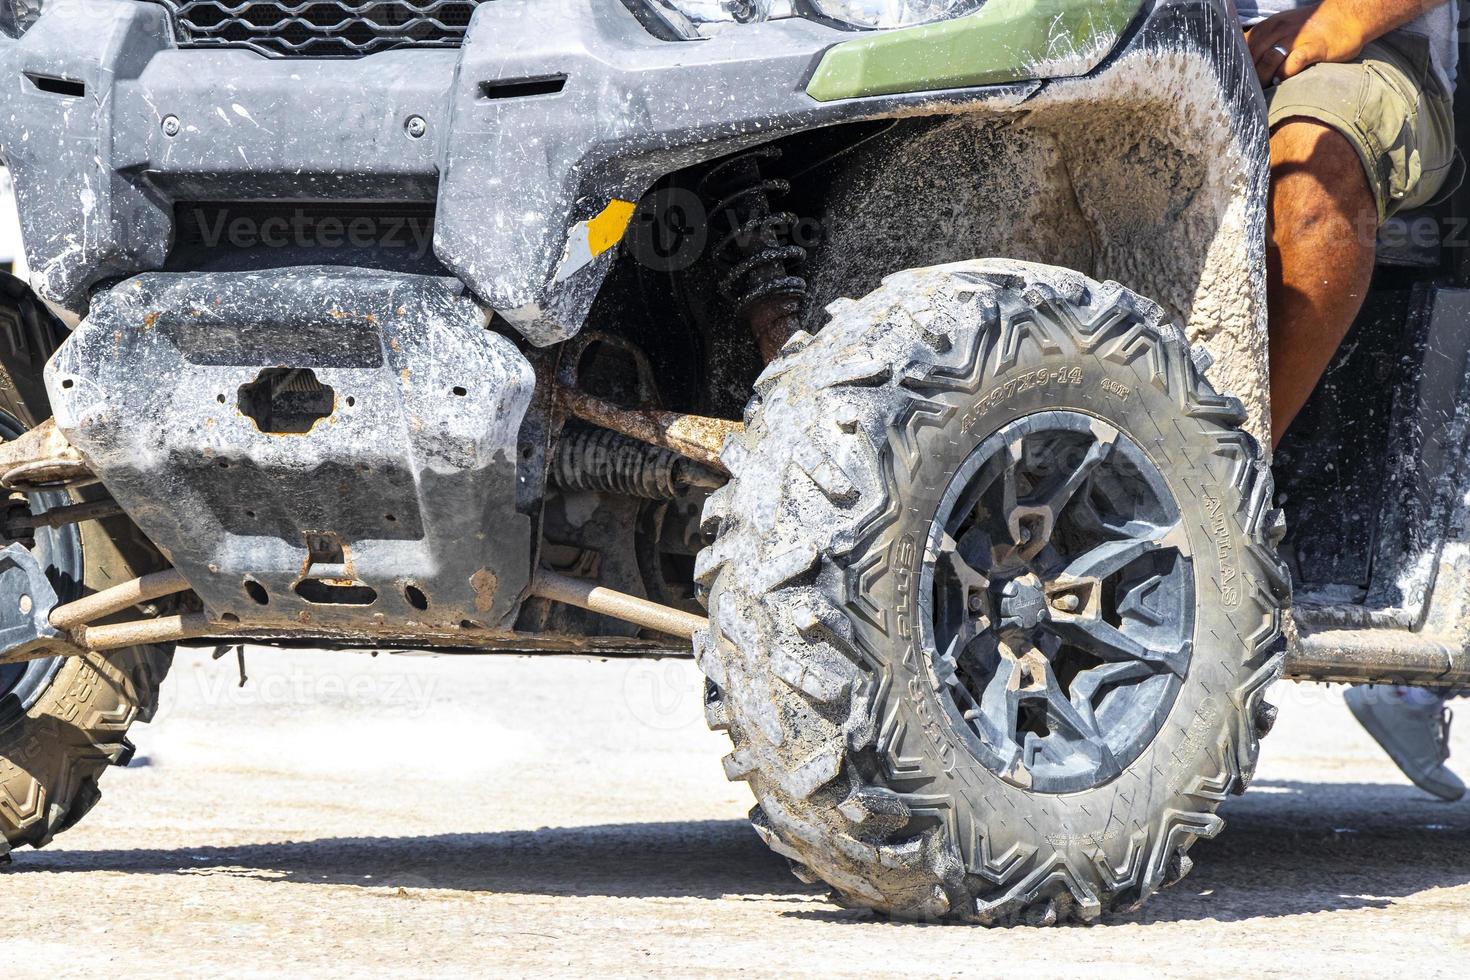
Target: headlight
{"points": [[704, 18], [883, 14], [17, 16]]}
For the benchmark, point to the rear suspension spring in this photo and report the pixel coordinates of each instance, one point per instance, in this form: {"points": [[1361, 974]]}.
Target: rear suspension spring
{"points": [[607, 462]]}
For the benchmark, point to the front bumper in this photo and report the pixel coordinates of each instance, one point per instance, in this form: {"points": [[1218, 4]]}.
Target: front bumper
{"points": [[98, 175]]}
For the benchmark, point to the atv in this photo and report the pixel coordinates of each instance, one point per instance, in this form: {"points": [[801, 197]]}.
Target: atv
{"points": [[905, 363]]}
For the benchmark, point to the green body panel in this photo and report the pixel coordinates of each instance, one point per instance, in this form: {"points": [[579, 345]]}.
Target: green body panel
{"points": [[1003, 41]]}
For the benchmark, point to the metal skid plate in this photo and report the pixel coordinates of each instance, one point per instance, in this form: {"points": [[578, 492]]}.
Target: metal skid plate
{"points": [[313, 446]]}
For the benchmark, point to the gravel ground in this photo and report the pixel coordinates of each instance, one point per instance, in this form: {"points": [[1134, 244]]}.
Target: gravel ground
{"points": [[343, 815]]}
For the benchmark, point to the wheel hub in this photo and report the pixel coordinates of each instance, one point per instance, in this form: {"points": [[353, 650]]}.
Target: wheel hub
{"points": [[58, 549], [1060, 594], [1023, 602]]}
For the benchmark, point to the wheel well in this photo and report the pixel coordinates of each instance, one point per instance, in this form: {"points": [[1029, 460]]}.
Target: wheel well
{"points": [[1119, 177]]}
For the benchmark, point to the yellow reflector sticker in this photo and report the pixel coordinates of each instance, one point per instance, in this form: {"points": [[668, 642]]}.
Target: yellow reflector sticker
{"points": [[588, 239], [606, 230]]}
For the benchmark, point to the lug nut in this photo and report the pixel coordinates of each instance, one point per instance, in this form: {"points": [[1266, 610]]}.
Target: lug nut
{"points": [[416, 127], [171, 125], [1065, 603], [974, 603]]}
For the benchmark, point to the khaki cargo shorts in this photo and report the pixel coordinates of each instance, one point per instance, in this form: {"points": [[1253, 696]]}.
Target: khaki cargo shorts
{"points": [[1391, 108]]}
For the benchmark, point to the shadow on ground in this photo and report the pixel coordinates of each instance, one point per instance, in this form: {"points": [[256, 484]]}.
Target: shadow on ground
{"points": [[1290, 848], [684, 859]]}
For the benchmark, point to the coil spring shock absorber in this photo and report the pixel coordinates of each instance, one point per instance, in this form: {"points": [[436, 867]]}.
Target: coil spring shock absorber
{"points": [[752, 248], [607, 462]]}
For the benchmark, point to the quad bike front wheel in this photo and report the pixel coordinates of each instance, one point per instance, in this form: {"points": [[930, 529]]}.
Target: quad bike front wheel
{"points": [[63, 722], [993, 598]]}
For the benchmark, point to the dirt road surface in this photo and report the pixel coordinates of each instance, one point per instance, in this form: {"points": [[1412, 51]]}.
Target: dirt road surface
{"points": [[405, 816]]}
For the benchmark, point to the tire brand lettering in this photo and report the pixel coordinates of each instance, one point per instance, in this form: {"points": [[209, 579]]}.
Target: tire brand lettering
{"points": [[906, 550], [1195, 742], [1224, 549], [1096, 840], [1009, 389], [903, 575]]}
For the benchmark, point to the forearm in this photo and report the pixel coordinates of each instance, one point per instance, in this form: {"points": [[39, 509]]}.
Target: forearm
{"points": [[1371, 19], [1288, 43]]}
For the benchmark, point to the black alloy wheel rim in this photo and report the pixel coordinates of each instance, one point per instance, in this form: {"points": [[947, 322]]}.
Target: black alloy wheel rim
{"points": [[1059, 598]]}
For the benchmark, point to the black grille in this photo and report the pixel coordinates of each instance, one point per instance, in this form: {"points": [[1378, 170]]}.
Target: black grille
{"points": [[240, 236], [322, 28]]}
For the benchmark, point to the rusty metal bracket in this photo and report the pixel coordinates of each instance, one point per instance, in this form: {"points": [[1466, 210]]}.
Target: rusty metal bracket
{"points": [[698, 437], [574, 352], [41, 458]]}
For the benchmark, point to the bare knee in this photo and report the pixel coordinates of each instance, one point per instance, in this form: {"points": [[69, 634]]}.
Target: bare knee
{"points": [[1319, 188]]}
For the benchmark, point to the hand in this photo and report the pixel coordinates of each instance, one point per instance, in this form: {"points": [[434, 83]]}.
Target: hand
{"points": [[1289, 43]]}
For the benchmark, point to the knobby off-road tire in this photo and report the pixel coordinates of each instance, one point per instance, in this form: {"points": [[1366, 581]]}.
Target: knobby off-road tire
{"points": [[820, 657], [68, 721]]}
